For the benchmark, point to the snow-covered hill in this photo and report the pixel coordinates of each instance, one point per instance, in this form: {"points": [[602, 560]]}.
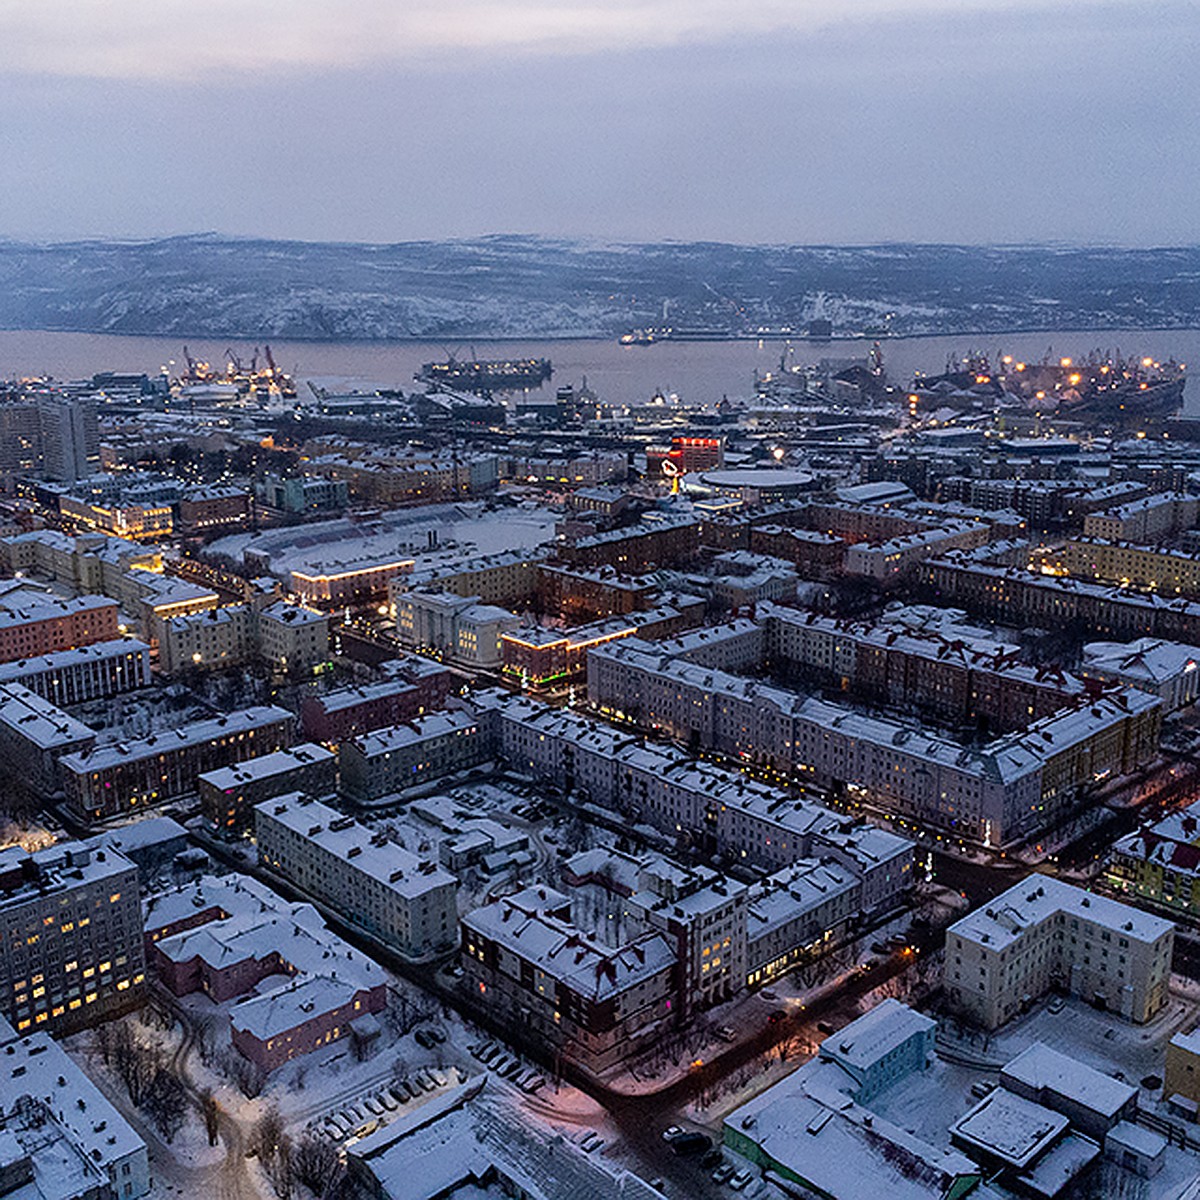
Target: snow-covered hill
{"points": [[508, 286]]}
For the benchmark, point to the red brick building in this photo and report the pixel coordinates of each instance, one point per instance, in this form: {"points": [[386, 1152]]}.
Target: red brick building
{"points": [[45, 627]]}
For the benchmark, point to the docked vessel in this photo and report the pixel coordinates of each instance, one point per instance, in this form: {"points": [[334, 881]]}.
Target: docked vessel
{"points": [[486, 375]]}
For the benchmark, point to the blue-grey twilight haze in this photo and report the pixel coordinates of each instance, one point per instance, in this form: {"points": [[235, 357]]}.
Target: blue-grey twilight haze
{"points": [[803, 121]]}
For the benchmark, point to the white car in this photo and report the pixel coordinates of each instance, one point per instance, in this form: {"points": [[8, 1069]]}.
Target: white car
{"points": [[741, 1180]]}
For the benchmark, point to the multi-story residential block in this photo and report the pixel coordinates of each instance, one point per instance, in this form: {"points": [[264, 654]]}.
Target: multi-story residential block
{"points": [[215, 639], [109, 780], [639, 548], [509, 579], [942, 672], [1149, 519], [46, 626], [85, 673], [1044, 934], [63, 1140], [582, 594], [400, 898], [399, 757], [998, 795], [1021, 597], [73, 952], [292, 638], [34, 736], [1163, 571], [213, 509], [719, 810], [1168, 670], [1181, 1079], [815, 555], [1160, 865], [895, 560], [459, 628], [798, 914], [420, 685], [288, 637], [229, 795], [529, 963], [703, 915], [70, 436]]}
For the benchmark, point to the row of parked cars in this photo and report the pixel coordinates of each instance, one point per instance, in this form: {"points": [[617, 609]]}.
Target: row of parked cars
{"points": [[363, 1117], [686, 1142], [504, 1063]]}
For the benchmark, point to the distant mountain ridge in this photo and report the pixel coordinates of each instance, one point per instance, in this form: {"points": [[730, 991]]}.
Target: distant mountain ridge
{"points": [[509, 286]]}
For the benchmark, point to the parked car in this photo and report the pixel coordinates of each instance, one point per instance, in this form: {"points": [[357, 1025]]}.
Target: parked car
{"points": [[1055, 1004], [725, 1033], [741, 1180], [424, 1038], [723, 1173], [671, 1132], [687, 1144]]}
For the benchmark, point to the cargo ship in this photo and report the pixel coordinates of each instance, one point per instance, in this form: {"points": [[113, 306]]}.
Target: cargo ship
{"points": [[484, 375]]}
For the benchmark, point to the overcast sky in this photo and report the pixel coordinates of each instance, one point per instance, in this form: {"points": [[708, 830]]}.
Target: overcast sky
{"points": [[771, 121]]}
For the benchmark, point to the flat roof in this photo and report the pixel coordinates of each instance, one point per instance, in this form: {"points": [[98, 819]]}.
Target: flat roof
{"points": [[1041, 1067], [166, 741], [36, 720], [1039, 898], [1010, 1128], [266, 766], [399, 870]]}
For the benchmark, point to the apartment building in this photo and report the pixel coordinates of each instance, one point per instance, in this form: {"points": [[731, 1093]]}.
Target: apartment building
{"points": [[1160, 865], [63, 1139], [508, 579], [944, 673], [1043, 934], [229, 795], [419, 686], [110, 780], [639, 548], [392, 893], [36, 734], [291, 638], [1148, 519], [73, 954], [583, 594], [1167, 572], [85, 673], [213, 509], [47, 626], [526, 960], [402, 756], [719, 810], [1017, 596], [998, 795]]}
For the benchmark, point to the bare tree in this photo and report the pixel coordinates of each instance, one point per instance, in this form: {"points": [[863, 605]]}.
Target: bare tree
{"points": [[166, 1103], [266, 1135], [135, 1062], [315, 1164]]}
